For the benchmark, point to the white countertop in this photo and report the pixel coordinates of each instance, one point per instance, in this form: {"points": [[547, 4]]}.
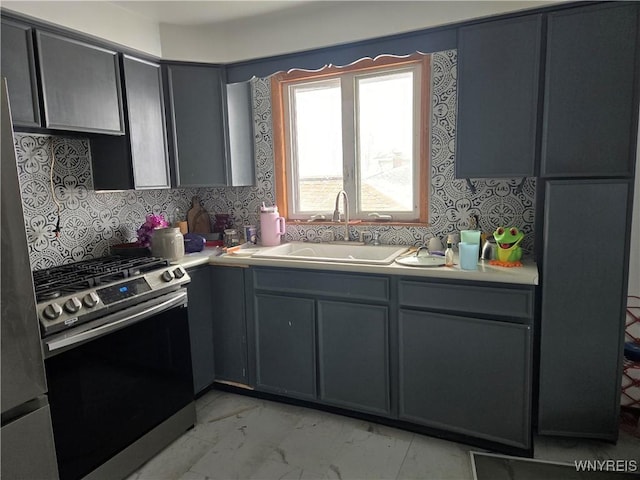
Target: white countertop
{"points": [[525, 275], [198, 258]]}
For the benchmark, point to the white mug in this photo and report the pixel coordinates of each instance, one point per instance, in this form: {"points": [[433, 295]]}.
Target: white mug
{"points": [[435, 245]]}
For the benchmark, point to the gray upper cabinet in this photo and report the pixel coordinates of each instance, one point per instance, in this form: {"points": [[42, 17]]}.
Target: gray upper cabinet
{"points": [[18, 67], [146, 123], [582, 314], [498, 91], [240, 133], [140, 159], [80, 85], [589, 104], [196, 124]]}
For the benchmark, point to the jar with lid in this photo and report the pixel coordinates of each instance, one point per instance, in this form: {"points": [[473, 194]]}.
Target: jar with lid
{"points": [[167, 243], [231, 238]]}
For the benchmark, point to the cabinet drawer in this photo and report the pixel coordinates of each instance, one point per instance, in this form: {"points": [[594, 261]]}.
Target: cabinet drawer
{"points": [[363, 287], [478, 300]]}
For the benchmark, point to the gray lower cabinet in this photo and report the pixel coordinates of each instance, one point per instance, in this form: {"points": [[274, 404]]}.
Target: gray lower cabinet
{"points": [[583, 306], [498, 84], [80, 85], [196, 124], [323, 336], [285, 345], [227, 295], [590, 103], [466, 358], [201, 320], [353, 356], [466, 375], [449, 355], [19, 69]]}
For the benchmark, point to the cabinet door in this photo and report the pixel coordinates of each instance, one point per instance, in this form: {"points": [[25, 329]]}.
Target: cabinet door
{"points": [[18, 67], [145, 114], [582, 316], [498, 81], [80, 85], [353, 356], [201, 327], [197, 125], [466, 375], [285, 345], [589, 104], [241, 137], [229, 325]]}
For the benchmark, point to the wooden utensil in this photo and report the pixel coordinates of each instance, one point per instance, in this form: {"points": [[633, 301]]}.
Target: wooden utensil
{"points": [[198, 218]]}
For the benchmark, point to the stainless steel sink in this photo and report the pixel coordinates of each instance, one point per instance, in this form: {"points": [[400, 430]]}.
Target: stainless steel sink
{"points": [[328, 252]]}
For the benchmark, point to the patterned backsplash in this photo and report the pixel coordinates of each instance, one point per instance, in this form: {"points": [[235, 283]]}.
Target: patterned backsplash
{"points": [[92, 221]]}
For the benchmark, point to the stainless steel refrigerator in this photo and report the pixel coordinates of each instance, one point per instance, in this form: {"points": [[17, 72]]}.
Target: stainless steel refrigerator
{"points": [[26, 436]]}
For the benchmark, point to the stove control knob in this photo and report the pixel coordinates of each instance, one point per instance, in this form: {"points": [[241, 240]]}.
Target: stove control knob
{"points": [[90, 300], [167, 276], [52, 311], [72, 305], [178, 272]]}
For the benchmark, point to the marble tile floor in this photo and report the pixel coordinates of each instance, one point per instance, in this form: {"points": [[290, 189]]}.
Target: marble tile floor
{"points": [[240, 437]]}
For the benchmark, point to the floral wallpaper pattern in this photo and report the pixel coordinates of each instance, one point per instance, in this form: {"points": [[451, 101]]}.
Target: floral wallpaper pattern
{"points": [[451, 201], [92, 221]]}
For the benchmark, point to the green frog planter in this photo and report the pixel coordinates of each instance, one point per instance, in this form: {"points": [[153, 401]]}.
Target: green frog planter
{"points": [[509, 252]]}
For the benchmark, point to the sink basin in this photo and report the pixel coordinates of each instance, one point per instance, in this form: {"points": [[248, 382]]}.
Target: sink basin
{"points": [[328, 252]]}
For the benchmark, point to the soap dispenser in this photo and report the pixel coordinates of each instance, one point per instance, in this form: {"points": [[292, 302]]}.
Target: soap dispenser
{"points": [[448, 255]]}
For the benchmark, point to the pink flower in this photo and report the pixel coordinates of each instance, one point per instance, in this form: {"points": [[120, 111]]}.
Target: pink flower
{"points": [[146, 229]]}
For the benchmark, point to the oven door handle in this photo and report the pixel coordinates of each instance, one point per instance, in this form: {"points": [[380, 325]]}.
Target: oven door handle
{"points": [[119, 320]]}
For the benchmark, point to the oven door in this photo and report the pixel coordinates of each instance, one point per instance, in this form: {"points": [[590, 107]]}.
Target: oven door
{"points": [[113, 383]]}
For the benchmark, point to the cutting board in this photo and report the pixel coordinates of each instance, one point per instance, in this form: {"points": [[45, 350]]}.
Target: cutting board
{"points": [[198, 218]]}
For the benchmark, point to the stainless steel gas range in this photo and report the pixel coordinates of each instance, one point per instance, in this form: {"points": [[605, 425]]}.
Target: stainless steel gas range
{"points": [[70, 295], [118, 361]]}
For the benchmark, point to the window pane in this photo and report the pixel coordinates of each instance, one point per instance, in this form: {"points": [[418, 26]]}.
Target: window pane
{"points": [[385, 142], [317, 134]]}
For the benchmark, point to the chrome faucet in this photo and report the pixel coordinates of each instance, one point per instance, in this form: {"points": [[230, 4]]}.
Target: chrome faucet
{"points": [[336, 213]]}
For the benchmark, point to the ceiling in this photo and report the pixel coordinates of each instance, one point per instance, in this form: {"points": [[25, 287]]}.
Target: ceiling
{"points": [[205, 11]]}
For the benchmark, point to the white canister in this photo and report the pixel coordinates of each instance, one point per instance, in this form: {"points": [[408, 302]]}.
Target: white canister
{"points": [[167, 243]]}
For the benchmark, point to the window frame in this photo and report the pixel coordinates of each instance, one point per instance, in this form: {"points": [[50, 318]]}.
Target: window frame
{"points": [[365, 67]]}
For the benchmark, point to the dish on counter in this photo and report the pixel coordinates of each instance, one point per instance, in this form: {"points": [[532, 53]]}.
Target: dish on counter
{"points": [[424, 261]]}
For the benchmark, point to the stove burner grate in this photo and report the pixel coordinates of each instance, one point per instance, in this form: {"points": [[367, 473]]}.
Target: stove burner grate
{"points": [[76, 277]]}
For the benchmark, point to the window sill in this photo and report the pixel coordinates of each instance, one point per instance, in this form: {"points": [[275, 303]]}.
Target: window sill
{"points": [[363, 223]]}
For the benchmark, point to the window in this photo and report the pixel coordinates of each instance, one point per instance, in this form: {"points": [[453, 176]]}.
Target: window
{"points": [[362, 129]]}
